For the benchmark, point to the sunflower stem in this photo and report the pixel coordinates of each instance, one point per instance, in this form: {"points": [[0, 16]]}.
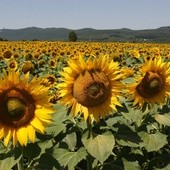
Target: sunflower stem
{"points": [[89, 126], [89, 162], [89, 157]]}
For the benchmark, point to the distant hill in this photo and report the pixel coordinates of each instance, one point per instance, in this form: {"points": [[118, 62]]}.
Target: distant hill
{"points": [[161, 34]]}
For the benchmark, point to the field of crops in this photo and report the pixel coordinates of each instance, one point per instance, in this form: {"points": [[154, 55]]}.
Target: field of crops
{"points": [[84, 105]]}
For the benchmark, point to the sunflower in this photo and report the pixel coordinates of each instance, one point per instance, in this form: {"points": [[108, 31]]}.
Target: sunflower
{"points": [[24, 108], [91, 87], [12, 64], [41, 63], [7, 55], [27, 66], [154, 84], [52, 63], [48, 80]]}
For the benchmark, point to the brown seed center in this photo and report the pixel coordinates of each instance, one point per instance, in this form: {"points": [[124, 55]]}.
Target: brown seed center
{"points": [[95, 90], [151, 84], [91, 88], [12, 65], [17, 107]]}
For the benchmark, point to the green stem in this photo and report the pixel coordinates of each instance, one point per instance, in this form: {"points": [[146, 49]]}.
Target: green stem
{"points": [[89, 157], [89, 162], [89, 126]]}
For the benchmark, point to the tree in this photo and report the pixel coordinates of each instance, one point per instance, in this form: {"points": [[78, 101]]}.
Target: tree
{"points": [[72, 36]]}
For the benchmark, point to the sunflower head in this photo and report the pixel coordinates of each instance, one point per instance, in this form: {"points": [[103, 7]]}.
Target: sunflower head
{"points": [[27, 67], [52, 63], [12, 64], [24, 108], [48, 80], [153, 85], [91, 87], [7, 54], [16, 55]]}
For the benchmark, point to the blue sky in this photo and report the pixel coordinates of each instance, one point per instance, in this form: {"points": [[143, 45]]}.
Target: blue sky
{"points": [[76, 14]]}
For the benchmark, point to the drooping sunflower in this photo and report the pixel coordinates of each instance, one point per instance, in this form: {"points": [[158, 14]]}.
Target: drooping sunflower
{"points": [[24, 108], [27, 66], [91, 87], [153, 86]]}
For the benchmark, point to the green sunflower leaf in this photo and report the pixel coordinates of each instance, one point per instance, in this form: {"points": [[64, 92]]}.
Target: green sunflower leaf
{"points": [[55, 128], [8, 160], [71, 140], [128, 80], [163, 119], [59, 117], [153, 142], [47, 161], [69, 159], [134, 116], [128, 165], [100, 147], [31, 151], [44, 145], [61, 113], [126, 137]]}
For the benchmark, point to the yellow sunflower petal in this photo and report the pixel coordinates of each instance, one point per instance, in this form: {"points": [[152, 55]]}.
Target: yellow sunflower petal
{"points": [[7, 137], [14, 136], [36, 123], [22, 135], [43, 114], [31, 133]]}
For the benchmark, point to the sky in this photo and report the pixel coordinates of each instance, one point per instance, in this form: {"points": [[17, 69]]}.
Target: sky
{"points": [[77, 14]]}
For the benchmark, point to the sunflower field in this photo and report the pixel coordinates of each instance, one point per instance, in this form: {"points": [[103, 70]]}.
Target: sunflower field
{"points": [[84, 106]]}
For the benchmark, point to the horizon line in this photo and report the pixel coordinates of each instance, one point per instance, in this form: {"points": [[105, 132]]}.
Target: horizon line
{"points": [[81, 28]]}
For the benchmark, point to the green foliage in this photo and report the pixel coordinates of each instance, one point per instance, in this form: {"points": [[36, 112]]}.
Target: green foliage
{"points": [[131, 139], [101, 146], [131, 165], [72, 36], [69, 159], [153, 142], [163, 119], [9, 158]]}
